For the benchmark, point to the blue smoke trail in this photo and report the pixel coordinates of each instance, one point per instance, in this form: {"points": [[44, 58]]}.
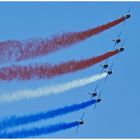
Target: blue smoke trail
{"points": [[15, 121], [39, 131]]}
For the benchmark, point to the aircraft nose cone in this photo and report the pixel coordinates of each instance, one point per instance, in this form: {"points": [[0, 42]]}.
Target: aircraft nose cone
{"points": [[118, 40], [95, 94], [81, 122], [128, 16], [121, 49], [109, 72], [98, 100], [106, 66]]}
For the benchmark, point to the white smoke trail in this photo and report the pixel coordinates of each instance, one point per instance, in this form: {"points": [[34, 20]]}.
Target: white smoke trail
{"points": [[44, 91]]}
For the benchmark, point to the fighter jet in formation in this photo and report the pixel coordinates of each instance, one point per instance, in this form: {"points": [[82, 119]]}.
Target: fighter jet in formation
{"points": [[81, 122], [107, 69]]}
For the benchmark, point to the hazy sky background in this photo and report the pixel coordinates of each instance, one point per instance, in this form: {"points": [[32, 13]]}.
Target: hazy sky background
{"points": [[118, 115]]}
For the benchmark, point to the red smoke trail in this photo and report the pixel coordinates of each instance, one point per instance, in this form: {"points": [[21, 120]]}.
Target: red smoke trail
{"points": [[10, 50], [14, 50], [49, 71]]}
